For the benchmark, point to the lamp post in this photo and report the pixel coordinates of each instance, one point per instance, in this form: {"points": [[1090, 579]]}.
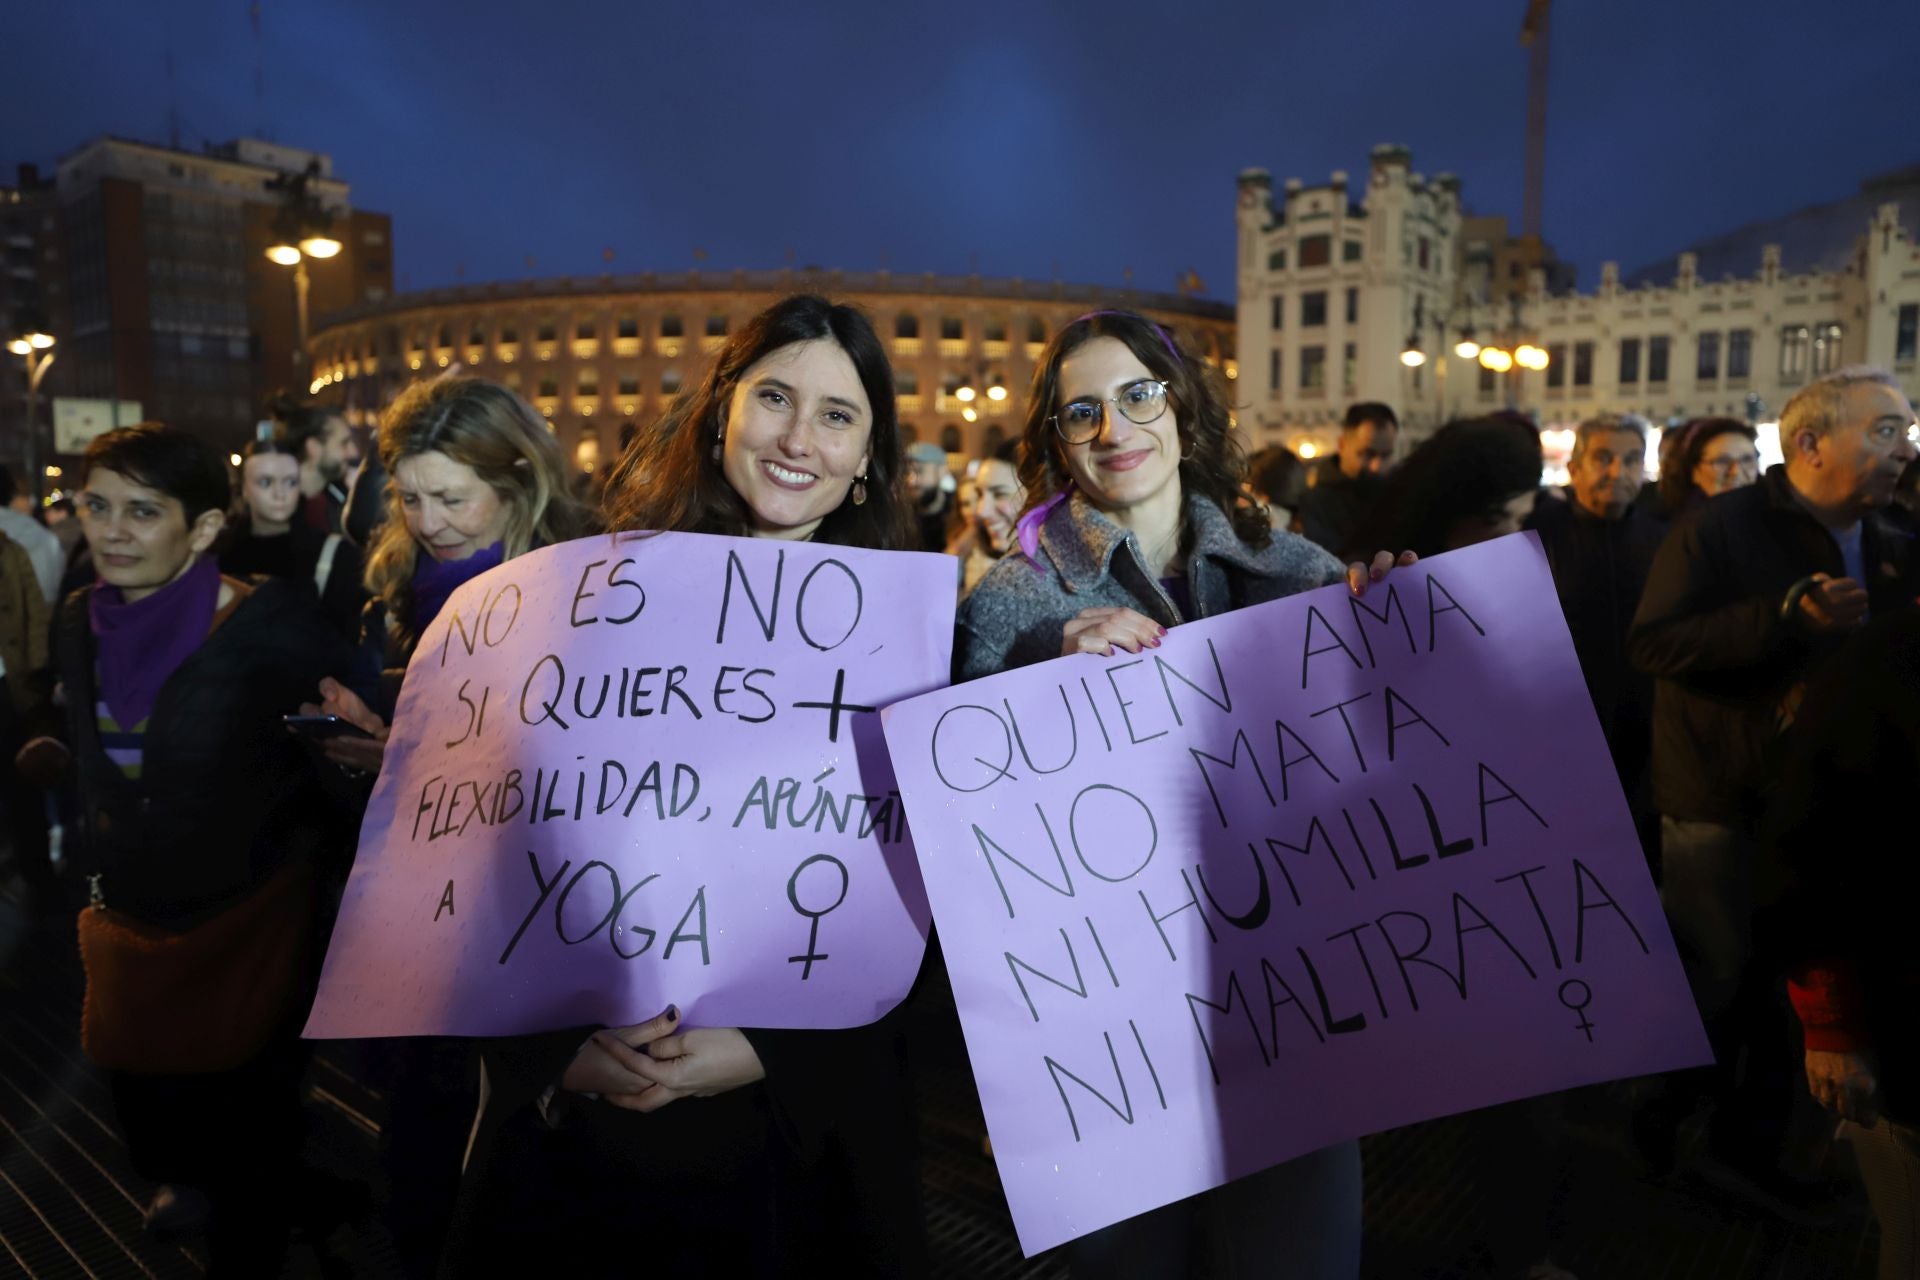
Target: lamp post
{"points": [[1507, 351], [969, 395], [300, 231], [36, 350]]}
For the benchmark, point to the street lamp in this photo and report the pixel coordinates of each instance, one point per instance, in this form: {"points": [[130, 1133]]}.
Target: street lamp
{"points": [[35, 349], [300, 228], [969, 396]]}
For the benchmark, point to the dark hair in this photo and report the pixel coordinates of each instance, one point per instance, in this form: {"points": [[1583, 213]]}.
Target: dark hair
{"points": [[668, 479], [1676, 474], [1466, 469], [297, 421], [1007, 451], [1279, 476], [269, 446], [7, 487], [1213, 463], [61, 504], [1374, 411], [156, 456]]}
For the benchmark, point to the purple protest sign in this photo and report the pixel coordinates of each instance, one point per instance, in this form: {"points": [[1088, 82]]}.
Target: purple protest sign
{"points": [[627, 771], [1308, 871]]}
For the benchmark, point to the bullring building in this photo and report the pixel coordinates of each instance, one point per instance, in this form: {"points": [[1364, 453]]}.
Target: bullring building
{"points": [[603, 356]]}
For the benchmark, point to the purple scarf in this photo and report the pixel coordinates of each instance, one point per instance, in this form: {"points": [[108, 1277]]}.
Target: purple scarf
{"points": [[1027, 531], [436, 580], [142, 643]]}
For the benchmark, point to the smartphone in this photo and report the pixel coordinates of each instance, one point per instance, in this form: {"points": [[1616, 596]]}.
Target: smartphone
{"points": [[321, 728]]}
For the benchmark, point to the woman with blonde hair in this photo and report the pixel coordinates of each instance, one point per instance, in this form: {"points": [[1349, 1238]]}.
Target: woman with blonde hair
{"points": [[477, 478]]}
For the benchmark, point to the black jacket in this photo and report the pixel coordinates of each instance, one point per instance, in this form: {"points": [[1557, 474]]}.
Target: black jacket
{"points": [[1843, 886], [225, 793], [1600, 569], [1333, 509], [296, 554], [1727, 663]]}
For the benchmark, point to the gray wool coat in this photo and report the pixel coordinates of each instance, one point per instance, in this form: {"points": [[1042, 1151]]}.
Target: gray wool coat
{"points": [[1019, 612]]}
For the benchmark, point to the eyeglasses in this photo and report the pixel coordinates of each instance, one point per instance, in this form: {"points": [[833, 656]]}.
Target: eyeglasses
{"points": [[1727, 466], [1140, 403]]}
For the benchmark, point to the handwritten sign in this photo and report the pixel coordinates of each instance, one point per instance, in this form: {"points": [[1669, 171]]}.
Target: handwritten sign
{"points": [[627, 771], [1305, 872]]}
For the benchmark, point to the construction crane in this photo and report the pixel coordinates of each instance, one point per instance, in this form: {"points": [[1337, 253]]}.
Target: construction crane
{"points": [[1533, 38]]}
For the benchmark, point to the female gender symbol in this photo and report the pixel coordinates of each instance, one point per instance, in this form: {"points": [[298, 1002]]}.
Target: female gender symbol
{"points": [[1578, 1000], [813, 916]]}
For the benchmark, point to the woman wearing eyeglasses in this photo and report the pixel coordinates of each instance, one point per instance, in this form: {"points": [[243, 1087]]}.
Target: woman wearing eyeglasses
{"points": [[1714, 456], [1135, 524]]}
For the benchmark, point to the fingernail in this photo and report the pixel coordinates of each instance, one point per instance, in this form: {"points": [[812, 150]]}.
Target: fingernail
{"points": [[1163, 631], [673, 1013], [1154, 643]]}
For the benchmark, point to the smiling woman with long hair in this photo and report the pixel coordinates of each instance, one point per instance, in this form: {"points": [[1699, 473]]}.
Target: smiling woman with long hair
{"points": [[721, 1150], [1138, 524]]}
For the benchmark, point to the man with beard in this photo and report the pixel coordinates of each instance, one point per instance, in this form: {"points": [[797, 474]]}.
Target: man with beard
{"points": [[1341, 490], [324, 444], [1600, 544], [1747, 595]]}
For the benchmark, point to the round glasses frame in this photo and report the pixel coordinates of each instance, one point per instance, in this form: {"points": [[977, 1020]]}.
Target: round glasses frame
{"points": [[1152, 410]]}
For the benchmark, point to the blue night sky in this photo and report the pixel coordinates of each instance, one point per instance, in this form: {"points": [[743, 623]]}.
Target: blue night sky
{"points": [[1016, 139]]}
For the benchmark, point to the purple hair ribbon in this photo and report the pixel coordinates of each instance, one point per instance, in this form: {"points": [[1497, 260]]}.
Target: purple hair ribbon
{"points": [[1027, 531]]}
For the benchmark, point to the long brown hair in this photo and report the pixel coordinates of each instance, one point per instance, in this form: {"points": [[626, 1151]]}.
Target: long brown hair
{"points": [[668, 479], [487, 427], [1213, 462]]}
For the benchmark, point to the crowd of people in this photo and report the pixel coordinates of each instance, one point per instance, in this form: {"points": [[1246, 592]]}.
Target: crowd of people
{"points": [[1749, 643]]}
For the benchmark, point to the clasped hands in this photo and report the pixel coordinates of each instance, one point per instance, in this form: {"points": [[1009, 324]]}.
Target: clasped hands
{"points": [[1102, 630], [644, 1067]]}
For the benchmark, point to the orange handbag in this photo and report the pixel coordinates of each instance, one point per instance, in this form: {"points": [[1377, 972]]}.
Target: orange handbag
{"points": [[206, 999]]}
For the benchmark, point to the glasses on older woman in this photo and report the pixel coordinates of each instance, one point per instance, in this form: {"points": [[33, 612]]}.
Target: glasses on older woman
{"points": [[1139, 403]]}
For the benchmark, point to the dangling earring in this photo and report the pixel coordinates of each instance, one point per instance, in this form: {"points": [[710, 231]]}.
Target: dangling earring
{"points": [[860, 490], [719, 439]]}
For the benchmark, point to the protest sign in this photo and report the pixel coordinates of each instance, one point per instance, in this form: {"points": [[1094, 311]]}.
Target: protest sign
{"points": [[640, 769], [1307, 871]]}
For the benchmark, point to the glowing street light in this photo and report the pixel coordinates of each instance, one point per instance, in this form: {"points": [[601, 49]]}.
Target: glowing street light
{"points": [[284, 254], [1496, 359], [1413, 357], [35, 349]]}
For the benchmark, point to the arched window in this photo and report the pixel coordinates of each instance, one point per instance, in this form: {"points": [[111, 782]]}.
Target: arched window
{"points": [[909, 434], [950, 439]]}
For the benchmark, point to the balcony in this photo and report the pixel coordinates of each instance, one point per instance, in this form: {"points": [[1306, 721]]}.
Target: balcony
{"points": [[547, 405], [669, 347], [545, 351], [626, 346], [586, 406], [585, 348], [712, 342], [910, 404], [907, 347], [996, 348], [443, 356], [953, 348], [1034, 349], [476, 353]]}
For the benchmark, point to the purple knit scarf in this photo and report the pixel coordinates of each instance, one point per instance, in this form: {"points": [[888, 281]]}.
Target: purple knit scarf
{"points": [[143, 642], [435, 581]]}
